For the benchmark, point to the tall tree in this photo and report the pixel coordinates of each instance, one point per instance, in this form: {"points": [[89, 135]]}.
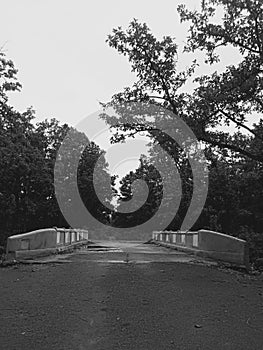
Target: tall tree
{"points": [[230, 97]]}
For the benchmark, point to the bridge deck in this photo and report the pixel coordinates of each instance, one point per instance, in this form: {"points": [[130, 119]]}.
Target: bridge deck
{"points": [[97, 300]]}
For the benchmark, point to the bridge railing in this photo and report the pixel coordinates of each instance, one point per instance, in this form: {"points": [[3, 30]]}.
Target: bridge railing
{"points": [[206, 243], [44, 242], [70, 236]]}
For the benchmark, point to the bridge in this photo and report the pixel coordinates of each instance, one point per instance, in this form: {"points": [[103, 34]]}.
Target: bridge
{"points": [[125, 294]]}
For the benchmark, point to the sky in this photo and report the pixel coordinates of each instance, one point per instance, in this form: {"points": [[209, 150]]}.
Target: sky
{"points": [[65, 66]]}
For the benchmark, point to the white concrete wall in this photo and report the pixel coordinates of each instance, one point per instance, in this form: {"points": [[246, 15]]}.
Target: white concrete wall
{"points": [[44, 239], [207, 243]]}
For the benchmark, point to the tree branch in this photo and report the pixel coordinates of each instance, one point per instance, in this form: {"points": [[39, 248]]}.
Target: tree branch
{"points": [[239, 123], [258, 37], [164, 86], [232, 41], [158, 97], [231, 147]]}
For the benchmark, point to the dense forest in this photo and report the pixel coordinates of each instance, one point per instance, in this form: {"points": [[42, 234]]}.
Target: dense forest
{"points": [[221, 111]]}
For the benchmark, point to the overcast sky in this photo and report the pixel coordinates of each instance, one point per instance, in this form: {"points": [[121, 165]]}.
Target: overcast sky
{"points": [[64, 64]]}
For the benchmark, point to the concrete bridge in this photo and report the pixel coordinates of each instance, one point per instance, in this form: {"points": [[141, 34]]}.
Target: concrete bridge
{"points": [[208, 244], [125, 295]]}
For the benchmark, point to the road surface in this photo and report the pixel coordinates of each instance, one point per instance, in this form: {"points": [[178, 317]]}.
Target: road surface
{"points": [[135, 296]]}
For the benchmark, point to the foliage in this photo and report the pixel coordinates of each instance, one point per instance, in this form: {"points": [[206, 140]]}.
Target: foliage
{"points": [[133, 208], [220, 99], [234, 96], [27, 156], [231, 98]]}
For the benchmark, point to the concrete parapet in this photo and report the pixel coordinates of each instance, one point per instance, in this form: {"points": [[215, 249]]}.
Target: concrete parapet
{"points": [[43, 242], [208, 244]]}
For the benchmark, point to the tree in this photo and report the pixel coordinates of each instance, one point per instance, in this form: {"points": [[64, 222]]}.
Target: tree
{"points": [[16, 153], [133, 208], [100, 208], [28, 153], [8, 80], [236, 94], [154, 63], [230, 97]]}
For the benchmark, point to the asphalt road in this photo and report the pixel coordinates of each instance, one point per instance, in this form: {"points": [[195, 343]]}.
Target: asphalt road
{"points": [[133, 297]]}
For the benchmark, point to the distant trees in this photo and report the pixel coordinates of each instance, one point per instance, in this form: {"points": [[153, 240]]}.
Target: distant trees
{"points": [[133, 208]]}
